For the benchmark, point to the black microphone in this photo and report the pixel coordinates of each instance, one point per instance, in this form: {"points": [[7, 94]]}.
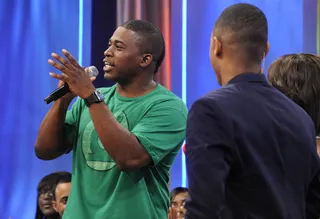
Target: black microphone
{"points": [[64, 89]]}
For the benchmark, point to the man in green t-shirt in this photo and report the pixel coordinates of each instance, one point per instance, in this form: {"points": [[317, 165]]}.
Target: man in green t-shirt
{"points": [[124, 138]]}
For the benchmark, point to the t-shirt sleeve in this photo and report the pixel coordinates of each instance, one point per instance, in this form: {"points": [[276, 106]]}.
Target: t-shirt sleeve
{"points": [[71, 122], [162, 129]]}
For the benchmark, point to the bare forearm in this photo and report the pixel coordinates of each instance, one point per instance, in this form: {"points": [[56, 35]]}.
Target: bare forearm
{"points": [[50, 142], [120, 144]]}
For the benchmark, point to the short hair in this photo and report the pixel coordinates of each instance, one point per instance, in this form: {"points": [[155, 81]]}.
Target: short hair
{"points": [[151, 39], [64, 177], [298, 77], [248, 29], [177, 191]]}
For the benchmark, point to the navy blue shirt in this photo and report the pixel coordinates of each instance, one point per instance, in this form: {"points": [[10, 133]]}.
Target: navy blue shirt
{"points": [[251, 153]]}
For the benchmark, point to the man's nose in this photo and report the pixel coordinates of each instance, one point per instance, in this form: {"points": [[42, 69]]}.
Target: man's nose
{"points": [[108, 52]]}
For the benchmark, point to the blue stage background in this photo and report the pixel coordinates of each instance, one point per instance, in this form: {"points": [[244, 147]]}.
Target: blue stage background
{"points": [[30, 31]]}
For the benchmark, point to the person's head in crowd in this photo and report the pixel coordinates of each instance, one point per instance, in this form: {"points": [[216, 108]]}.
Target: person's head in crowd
{"points": [[45, 196], [298, 77], [178, 197], [61, 192], [239, 42]]}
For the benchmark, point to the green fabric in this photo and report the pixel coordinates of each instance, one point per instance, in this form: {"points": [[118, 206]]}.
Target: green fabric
{"points": [[99, 188]]}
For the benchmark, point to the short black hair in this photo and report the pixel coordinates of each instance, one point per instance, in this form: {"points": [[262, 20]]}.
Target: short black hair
{"points": [[176, 191], [248, 29], [151, 39], [64, 177], [298, 77]]}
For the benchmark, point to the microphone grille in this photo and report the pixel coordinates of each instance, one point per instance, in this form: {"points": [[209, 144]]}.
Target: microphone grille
{"points": [[93, 71]]}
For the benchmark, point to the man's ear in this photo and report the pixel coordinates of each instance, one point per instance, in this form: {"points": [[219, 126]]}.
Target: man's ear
{"points": [[263, 58], [146, 60], [266, 49], [217, 47]]}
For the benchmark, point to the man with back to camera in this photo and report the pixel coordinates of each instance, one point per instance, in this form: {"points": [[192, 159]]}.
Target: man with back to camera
{"points": [[128, 135], [250, 149]]}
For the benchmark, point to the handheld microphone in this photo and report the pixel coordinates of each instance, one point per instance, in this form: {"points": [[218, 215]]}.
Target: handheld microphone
{"points": [[63, 90]]}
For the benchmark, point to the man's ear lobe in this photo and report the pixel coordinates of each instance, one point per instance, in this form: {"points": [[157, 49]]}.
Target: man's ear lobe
{"points": [[146, 60], [217, 47], [267, 49]]}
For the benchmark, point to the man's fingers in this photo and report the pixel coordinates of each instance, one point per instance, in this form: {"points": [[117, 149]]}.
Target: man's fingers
{"points": [[62, 77], [57, 66], [62, 60], [71, 59], [92, 78]]}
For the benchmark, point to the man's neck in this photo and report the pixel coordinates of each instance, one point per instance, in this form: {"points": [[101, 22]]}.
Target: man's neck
{"points": [[136, 88], [318, 146], [232, 70]]}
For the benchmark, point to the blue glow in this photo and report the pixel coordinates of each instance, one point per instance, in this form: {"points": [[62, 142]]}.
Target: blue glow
{"points": [[30, 31], [184, 78], [80, 32]]}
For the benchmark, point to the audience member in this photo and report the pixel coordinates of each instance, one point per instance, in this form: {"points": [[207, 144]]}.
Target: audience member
{"points": [[178, 196], [61, 192]]}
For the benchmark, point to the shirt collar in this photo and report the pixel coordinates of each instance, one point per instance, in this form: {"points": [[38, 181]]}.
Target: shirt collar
{"points": [[248, 77]]}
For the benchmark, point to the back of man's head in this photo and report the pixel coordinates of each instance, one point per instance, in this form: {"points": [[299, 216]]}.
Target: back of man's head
{"points": [[243, 28]]}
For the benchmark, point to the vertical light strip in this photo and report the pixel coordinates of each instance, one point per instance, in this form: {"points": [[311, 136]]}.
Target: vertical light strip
{"points": [[184, 78], [80, 47]]}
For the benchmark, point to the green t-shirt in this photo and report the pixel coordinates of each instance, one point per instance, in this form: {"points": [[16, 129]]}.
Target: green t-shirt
{"points": [[99, 189]]}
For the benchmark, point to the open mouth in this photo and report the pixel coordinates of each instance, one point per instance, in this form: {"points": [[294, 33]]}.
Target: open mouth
{"points": [[107, 66]]}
